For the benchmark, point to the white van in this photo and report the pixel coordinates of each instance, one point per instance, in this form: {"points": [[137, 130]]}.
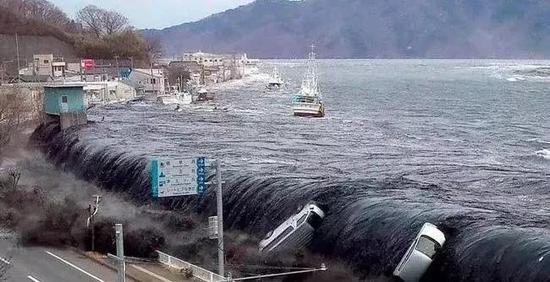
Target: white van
{"points": [[295, 233], [420, 254]]}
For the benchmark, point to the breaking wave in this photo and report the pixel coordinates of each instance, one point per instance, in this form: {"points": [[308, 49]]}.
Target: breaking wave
{"points": [[544, 153], [369, 223]]}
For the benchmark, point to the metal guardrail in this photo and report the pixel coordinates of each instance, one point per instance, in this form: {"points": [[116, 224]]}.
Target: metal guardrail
{"points": [[198, 272]]}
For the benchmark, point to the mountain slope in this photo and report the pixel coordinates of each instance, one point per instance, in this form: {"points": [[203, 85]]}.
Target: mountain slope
{"points": [[35, 37], [371, 28]]}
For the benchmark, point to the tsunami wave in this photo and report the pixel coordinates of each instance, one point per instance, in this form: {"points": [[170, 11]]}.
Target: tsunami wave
{"points": [[369, 223]]}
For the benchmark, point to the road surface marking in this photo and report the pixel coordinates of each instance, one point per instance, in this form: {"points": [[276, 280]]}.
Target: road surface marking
{"points": [[74, 266], [150, 273], [33, 279], [4, 260]]}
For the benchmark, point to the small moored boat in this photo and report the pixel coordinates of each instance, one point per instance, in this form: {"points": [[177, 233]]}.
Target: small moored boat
{"points": [[275, 81]]}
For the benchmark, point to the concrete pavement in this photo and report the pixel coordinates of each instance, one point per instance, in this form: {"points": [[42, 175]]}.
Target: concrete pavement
{"points": [[42, 264], [39, 264]]}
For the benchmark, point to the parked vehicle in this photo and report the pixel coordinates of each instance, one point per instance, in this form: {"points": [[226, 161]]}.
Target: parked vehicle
{"points": [[296, 232], [420, 254]]}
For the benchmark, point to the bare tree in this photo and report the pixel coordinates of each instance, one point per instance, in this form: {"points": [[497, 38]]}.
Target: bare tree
{"points": [[14, 110], [101, 22], [91, 17], [154, 45], [113, 22], [40, 10], [14, 175]]}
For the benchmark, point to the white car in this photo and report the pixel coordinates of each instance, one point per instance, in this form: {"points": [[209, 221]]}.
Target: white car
{"points": [[296, 232], [420, 254]]}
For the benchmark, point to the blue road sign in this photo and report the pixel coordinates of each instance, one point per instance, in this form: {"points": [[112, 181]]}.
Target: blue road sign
{"points": [[171, 178], [201, 176]]}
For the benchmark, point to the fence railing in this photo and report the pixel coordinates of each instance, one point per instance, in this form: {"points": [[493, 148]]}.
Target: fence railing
{"points": [[197, 271]]}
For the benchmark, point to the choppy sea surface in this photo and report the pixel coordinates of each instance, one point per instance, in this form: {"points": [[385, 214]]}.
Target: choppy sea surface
{"points": [[462, 144]]}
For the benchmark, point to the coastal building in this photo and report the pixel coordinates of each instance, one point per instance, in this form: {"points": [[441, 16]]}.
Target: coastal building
{"points": [[42, 64], [66, 101], [48, 65], [152, 81], [65, 98], [209, 68], [109, 92], [205, 59]]}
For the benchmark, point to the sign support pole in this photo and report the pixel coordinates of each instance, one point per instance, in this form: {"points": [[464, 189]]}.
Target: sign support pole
{"points": [[121, 269], [221, 270]]}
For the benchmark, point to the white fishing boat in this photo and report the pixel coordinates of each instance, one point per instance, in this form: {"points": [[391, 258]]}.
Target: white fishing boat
{"points": [[178, 98], [275, 81], [308, 102]]}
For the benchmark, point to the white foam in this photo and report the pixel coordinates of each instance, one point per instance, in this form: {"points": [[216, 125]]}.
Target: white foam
{"points": [[544, 153], [238, 83]]}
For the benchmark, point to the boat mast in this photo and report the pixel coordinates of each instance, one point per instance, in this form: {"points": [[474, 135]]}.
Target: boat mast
{"points": [[312, 72]]}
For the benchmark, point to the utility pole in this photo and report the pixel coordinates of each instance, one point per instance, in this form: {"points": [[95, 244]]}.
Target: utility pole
{"points": [[152, 77], [3, 71], [91, 219], [18, 62], [117, 69], [219, 191], [121, 266]]}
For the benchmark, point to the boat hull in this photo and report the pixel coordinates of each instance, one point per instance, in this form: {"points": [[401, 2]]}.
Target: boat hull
{"points": [[309, 111], [175, 100]]}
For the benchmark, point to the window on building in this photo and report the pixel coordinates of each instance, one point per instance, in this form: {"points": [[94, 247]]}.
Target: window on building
{"points": [[64, 99], [46, 61], [153, 81]]}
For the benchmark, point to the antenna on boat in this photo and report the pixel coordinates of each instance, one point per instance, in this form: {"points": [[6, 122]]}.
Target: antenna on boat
{"points": [[312, 53]]}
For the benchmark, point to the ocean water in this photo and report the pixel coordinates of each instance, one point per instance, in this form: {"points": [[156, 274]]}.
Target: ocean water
{"points": [[462, 144]]}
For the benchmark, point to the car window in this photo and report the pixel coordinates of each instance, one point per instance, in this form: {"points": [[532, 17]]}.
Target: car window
{"points": [[427, 246], [281, 236], [302, 219]]}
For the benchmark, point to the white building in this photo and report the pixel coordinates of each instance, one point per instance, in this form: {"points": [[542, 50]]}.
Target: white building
{"points": [[48, 65], [205, 59], [108, 92], [152, 81]]}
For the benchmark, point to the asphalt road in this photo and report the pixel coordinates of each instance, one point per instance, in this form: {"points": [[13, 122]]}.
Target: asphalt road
{"points": [[38, 264]]}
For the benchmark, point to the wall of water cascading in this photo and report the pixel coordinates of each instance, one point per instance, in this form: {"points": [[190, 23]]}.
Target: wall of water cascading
{"points": [[368, 225]]}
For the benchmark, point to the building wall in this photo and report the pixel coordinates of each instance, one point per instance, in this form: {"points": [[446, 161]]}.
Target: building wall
{"points": [[43, 64], [73, 119], [145, 80], [75, 98], [124, 91]]}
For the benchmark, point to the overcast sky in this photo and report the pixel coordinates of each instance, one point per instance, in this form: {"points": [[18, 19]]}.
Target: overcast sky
{"points": [[155, 13]]}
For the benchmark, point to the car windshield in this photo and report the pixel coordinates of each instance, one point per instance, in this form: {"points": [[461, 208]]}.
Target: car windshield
{"points": [[427, 246], [314, 220]]}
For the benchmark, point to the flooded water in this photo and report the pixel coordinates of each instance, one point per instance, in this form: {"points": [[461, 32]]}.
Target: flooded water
{"points": [[462, 144]]}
